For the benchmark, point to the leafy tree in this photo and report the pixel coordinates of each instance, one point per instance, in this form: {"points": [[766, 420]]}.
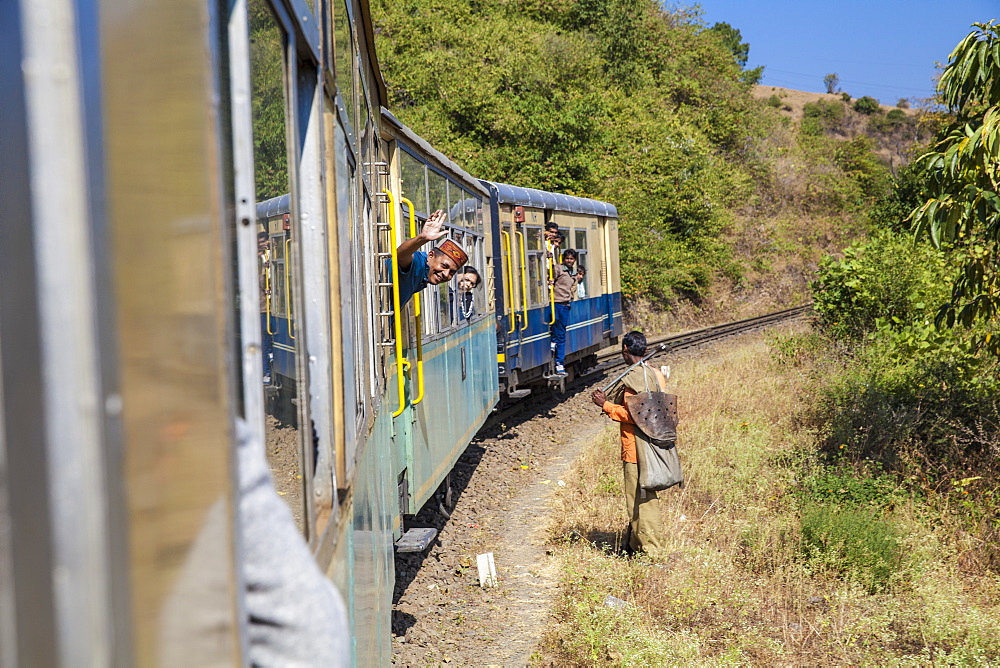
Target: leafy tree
{"points": [[733, 40], [831, 81], [962, 178], [867, 105]]}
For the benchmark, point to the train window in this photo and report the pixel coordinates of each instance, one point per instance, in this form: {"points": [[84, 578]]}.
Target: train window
{"points": [[580, 244], [437, 191], [413, 182], [268, 72], [537, 287], [344, 63]]}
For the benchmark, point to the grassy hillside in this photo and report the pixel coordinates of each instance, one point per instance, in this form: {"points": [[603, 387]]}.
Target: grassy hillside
{"points": [[723, 199]]}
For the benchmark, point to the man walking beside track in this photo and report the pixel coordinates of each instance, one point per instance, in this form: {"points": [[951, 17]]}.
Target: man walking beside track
{"points": [[645, 529], [563, 291]]}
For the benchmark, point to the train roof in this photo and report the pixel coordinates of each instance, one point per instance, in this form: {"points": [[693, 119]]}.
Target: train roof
{"points": [[437, 156], [541, 199], [274, 206]]}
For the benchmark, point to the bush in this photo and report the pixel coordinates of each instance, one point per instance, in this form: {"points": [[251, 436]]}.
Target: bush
{"points": [[887, 277], [829, 113], [867, 106], [857, 544], [774, 101], [846, 97]]}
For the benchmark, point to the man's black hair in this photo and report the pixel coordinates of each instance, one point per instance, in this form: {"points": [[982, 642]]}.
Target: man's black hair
{"points": [[635, 343], [570, 251], [552, 225], [261, 235]]}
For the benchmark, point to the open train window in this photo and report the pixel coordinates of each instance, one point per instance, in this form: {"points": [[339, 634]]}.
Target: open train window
{"points": [[269, 74], [580, 244]]}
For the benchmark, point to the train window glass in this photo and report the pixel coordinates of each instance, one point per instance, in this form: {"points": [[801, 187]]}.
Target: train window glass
{"points": [[278, 276], [437, 191], [413, 181], [344, 62], [535, 266], [533, 238], [269, 106], [444, 299], [344, 364], [580, 239]]}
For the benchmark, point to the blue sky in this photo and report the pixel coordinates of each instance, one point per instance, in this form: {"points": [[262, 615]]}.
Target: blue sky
{"points": [[882, 48]]}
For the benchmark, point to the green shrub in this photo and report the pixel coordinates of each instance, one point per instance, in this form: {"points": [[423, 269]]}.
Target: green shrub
{"points": [[829, 112], [774, 101], [858, 544], [887, 277], [846, 97], [841, 488], [867, 105]]}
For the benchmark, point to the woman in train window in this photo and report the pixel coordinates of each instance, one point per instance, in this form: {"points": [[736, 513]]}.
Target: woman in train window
{"points": [[468, 280]]}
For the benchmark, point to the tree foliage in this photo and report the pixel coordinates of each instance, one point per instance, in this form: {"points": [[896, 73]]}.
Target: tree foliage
{"points": [[961, 176], [831, 82], [613, 99]]}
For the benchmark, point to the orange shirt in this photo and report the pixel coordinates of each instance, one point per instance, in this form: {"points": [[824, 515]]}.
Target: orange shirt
{"points": [[626, 427]]}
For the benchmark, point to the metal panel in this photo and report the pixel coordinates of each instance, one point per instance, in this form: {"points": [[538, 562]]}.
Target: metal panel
{"points": [[166, 156], [27, 599]]}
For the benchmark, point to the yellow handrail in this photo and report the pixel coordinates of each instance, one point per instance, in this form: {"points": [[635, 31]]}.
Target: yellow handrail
{"points": [[267, 289], [552, 277], [524, 279], [397, 309], [288, 288], [416, 315], [508, 280]]}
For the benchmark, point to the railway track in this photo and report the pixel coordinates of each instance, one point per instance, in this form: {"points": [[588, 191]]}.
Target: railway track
{"points": [[611, 358]]}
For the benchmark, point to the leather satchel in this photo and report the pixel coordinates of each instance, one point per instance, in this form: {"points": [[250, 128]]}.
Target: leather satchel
{"points": [[655, 417]]}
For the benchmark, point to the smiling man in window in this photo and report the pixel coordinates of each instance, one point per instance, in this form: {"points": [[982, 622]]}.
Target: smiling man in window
{"points": [[417, 268]]}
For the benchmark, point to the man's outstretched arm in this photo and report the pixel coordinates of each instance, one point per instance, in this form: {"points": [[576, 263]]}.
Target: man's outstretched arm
{"points": [[431, 231]]}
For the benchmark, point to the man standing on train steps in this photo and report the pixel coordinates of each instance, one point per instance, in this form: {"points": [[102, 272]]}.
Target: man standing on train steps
{"points": [[645, 531], [417, 268], [563, 290]]}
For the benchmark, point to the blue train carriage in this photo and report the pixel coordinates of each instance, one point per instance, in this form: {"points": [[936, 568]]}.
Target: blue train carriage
{"points": [[525, 308], [444, 382]]}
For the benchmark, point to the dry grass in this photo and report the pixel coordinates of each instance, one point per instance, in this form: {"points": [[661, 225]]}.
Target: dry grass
{"points": [[731, 587]]}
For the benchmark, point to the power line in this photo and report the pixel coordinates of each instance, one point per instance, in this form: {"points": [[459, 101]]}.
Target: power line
{"points": [[849, 81]]}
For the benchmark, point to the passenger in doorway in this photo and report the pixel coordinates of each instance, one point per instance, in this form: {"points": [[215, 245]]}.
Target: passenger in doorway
{"points": [[418, 268], [645, 531], [266, 339], [551, 230], [468, 280], [565, 280]]}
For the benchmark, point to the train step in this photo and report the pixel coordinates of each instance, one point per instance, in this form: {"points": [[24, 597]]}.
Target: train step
{"points": [[518, 394], [416, 539]]}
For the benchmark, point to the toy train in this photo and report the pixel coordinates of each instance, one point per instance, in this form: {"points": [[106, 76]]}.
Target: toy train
{"points": [[132, 324]]}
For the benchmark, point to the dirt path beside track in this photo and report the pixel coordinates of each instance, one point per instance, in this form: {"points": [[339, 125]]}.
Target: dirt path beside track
{"points": [[503, 485]]}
